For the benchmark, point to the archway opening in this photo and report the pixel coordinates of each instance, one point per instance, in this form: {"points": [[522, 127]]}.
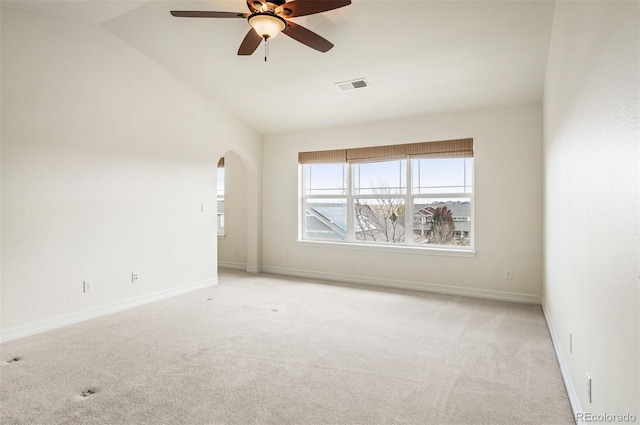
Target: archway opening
{"points": [[232, 207]]}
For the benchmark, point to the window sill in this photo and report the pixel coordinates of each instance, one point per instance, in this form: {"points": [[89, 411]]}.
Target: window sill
{"points": [[469, 252]]}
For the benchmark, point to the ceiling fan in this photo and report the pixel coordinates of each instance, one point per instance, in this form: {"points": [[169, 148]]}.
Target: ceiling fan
{"points": [[270, 17]]}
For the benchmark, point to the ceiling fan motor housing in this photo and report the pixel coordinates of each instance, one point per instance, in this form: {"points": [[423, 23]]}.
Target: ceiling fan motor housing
{"points": [[271, 4]]}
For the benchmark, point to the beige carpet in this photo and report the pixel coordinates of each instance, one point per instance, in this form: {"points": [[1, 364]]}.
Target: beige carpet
{"points": [[262, 349]]}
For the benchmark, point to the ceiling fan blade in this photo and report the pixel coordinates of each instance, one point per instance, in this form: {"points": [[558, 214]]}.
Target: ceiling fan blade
{"points": [[250, 43], [207, 14], [297, 8], [307, 37]]}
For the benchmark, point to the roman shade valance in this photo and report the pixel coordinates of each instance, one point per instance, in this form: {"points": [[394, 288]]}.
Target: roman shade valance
{"points": [[317, 157], [459, 148]]}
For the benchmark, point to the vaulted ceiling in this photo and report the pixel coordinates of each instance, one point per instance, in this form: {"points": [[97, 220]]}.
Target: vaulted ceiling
{"points": [[419, 57]]}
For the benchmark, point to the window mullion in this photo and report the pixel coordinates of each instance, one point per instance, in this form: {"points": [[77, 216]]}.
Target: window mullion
{"points": [[408, 206], [351, 233], [302, 200]]}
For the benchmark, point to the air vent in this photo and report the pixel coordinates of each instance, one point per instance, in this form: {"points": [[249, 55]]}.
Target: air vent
{"points": [[360, 83]]}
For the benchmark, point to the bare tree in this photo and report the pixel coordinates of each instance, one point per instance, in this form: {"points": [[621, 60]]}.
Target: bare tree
{"points": [[382, 218]]}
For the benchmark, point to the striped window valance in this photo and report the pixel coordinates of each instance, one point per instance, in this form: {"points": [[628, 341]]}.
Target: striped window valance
{"points": [[459, 148], [339, 155]]}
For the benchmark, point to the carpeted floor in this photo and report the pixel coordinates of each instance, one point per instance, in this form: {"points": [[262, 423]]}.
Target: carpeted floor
{"points": [[264, 349]]}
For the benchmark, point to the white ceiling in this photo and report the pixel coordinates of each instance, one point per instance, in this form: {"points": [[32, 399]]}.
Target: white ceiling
{"points": [[90, 11], [419, 57]]}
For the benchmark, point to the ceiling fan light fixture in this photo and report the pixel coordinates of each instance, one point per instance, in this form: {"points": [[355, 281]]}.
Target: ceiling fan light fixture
{"points": [[267, 25]]}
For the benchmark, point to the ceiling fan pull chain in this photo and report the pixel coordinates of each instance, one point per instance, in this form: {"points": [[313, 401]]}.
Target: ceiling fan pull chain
{"points": [[266, 48]]}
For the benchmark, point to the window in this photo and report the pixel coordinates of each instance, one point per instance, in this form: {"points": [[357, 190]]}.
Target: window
{"points": [[379, 201], [416, 194], [220, 202]]}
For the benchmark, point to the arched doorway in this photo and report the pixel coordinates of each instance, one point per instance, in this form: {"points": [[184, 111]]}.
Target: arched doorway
{"points": [[238, 213]]}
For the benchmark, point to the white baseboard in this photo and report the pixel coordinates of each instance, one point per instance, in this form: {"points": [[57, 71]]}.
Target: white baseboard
{"points": [[403, 284], [80, 316], [564, 369], [254, 269], [232, 265]]}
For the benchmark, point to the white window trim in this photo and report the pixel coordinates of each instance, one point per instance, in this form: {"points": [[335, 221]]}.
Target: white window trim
{"points": [[221, 197], [409, 249], [351, 243]]}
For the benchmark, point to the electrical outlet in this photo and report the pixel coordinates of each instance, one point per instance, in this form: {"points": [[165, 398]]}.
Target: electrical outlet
{"points": [[203, 209], [87, 286], [508, 273], [589, 388], [134, 277]]}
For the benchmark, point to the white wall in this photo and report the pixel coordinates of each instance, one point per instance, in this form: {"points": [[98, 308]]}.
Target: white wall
{"points": [[592, 209], [106, 158], [508, 204], [232, 248]]}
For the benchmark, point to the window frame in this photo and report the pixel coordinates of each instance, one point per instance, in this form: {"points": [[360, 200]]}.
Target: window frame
{"points": [[220, 196], [409, 198]]}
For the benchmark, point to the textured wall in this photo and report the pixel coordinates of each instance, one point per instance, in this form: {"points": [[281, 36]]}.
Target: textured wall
{"points": [[106, 158], [592, 210]]}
